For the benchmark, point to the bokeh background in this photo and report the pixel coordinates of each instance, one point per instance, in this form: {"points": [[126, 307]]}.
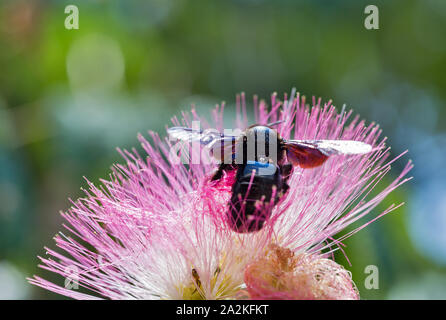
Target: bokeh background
{"points": [[68, 98]]}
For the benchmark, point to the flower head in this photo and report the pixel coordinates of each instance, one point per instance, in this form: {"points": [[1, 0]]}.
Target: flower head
{"points": [[158, 229]]}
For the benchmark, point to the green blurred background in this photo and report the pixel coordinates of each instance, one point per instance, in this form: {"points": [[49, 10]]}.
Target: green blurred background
{"points": [[69, 97]]}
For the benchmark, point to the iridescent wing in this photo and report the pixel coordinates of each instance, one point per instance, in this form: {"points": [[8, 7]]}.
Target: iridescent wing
{"points": [[221, 146], [313, 153], [193, 135]]}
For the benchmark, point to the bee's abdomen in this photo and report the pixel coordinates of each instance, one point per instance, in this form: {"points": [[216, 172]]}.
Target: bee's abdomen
{"points": [[253, 198]]}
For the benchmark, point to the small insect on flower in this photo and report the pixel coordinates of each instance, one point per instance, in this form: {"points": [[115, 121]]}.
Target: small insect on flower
{"points": [[264, 162]]}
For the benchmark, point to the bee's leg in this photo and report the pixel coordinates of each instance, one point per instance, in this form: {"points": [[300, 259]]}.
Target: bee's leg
{"points": [[286, 170], [222, 168]]}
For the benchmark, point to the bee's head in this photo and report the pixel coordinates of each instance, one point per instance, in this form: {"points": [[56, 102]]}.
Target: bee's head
{"points": [[262, 142]]}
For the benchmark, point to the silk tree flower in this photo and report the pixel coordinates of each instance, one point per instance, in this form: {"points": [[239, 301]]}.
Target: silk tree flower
{"points": [[157, 228]]}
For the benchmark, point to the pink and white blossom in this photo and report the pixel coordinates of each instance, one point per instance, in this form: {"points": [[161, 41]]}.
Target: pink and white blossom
{"points": [[157, 229]]}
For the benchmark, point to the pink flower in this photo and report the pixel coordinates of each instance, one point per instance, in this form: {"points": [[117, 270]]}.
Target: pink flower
{"points": [[158, 229], [281, 274]]}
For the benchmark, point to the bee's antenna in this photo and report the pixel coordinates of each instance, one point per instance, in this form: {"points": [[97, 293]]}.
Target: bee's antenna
{"points": [[275, 123]]}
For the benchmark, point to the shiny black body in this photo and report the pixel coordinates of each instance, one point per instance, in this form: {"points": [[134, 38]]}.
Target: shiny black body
{"points": [[254, 196], [260, 182]]}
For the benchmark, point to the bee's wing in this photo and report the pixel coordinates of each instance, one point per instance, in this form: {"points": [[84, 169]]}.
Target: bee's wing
{"points": [[221, 146], [193, 135], [313, 153]]}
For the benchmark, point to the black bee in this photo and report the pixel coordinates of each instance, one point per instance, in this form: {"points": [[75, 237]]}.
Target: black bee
{"points": [[264, 162]]}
